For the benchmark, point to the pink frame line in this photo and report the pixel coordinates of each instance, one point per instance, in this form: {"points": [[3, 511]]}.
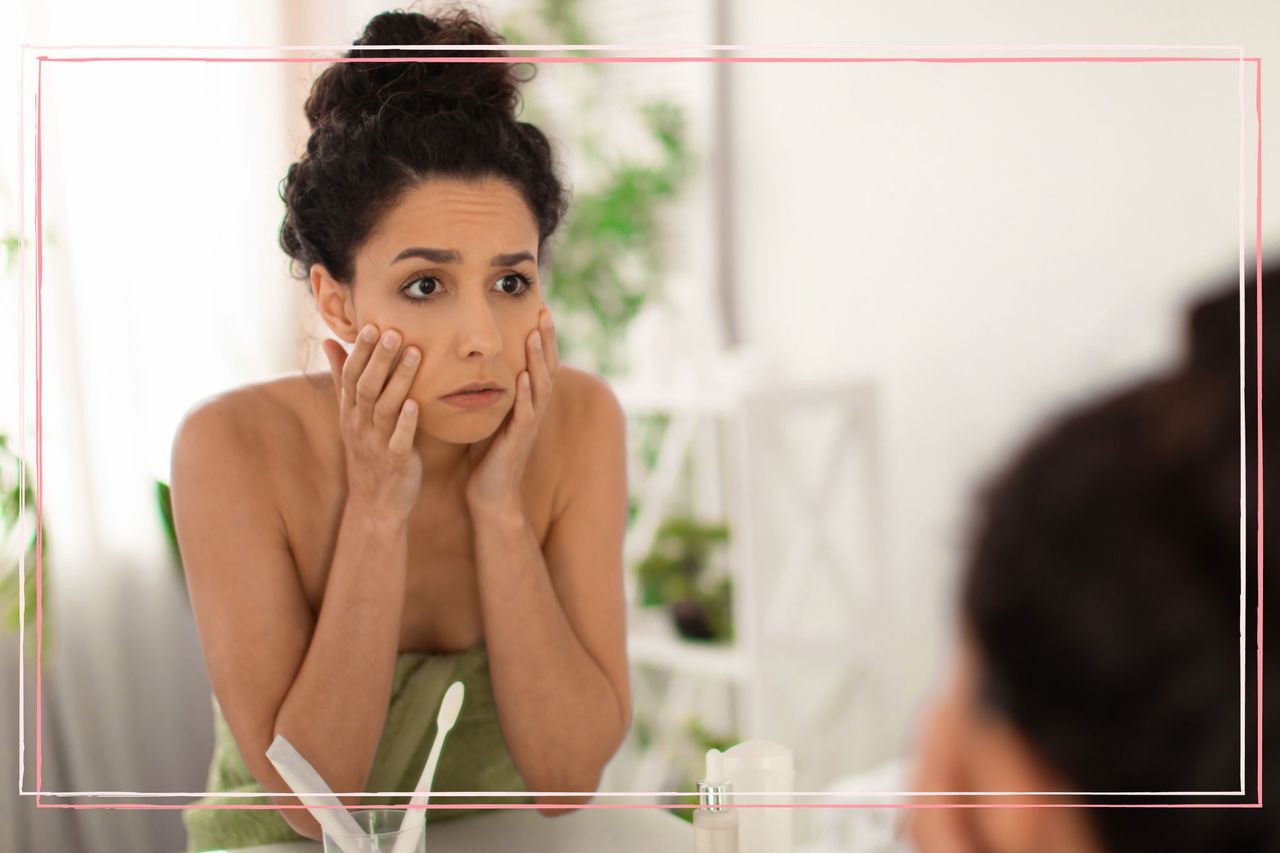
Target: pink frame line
{"points": [[41, 59]]}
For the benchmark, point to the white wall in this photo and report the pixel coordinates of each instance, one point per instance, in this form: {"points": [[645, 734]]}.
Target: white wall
{"points": [[986, 243]]}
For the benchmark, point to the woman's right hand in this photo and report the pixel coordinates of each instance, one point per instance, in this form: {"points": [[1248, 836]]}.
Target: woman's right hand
{"points": [[376, 422]]}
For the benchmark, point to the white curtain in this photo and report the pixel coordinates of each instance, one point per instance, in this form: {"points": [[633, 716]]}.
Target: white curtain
{"points": [[162, 285]]}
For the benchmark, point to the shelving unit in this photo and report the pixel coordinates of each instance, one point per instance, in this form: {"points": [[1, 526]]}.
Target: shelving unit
{"points": [[725, 455]]}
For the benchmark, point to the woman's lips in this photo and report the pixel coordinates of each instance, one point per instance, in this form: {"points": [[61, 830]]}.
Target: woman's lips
{"points": [[473, 399]]}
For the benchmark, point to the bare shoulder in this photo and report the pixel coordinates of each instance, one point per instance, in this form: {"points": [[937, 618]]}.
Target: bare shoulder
{"points": [[247, 427], [583, 434], [583, 407], [234, 457]]}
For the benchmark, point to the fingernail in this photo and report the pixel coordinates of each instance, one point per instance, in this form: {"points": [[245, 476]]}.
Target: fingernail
{"points": [[537, 341], [390, 339], [369, 333], [411, 356]]}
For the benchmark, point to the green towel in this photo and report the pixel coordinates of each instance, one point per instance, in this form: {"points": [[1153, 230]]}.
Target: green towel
{"points": [[475, 755]]}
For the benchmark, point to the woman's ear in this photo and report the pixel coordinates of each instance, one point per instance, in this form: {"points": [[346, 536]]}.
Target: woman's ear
{"points": [[333, 299]]}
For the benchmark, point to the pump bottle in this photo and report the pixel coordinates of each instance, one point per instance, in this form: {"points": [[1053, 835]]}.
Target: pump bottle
{"points": [[715, 826]]}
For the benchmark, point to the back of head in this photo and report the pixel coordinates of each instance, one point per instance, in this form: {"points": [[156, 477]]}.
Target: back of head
{"points": [[386, 118], [1103, 592]]}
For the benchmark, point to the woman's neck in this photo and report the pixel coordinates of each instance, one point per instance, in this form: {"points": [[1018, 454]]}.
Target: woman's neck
{"points": [[443, 462]]}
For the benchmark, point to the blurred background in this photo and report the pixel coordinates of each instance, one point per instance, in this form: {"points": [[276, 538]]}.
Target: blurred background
{"points": [[831, 298]]}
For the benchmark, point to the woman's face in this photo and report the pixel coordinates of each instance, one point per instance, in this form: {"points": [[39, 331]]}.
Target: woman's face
{"points": [[454, 269], [967, 746]]}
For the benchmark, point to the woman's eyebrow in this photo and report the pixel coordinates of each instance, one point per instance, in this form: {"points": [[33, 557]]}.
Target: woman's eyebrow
{"points": [[451, 256]]}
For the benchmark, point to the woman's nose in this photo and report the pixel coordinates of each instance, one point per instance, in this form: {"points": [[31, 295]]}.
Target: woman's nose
{"points": [[478, 335]]}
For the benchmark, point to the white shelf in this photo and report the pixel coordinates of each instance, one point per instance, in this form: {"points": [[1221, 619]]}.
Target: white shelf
{"points": [[737, 438], [645, 398], [652, 645]]}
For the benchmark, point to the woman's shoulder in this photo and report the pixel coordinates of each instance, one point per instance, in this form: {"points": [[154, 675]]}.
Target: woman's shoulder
{"points": [[254, 423], [584, 420], [582, 404], [582, 417]]}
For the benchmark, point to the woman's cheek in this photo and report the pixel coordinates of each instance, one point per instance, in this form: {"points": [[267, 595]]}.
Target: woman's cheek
{"points": [[515, 346], [420, 390]]}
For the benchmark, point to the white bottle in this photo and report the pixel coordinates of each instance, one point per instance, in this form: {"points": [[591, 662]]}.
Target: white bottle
{"points": [[715, 827], [762, 771]]}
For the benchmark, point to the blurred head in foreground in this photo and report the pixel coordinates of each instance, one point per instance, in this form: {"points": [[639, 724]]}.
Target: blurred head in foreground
{"points": [[1101, 623]]}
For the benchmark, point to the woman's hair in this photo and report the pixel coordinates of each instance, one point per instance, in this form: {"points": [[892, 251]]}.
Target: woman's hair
{"points": [[1103, 593], [379, 129]]}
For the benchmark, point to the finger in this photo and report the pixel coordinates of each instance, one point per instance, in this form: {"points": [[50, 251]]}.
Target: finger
{"points": [[541, 376], [547, 325], [374, 376], [355, 363], [387, 409], [512, 427], [401, 441], [522, 413]]}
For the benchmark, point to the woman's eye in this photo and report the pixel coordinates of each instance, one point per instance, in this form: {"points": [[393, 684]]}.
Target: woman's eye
{"points": [[514, 284], [423, 287]]}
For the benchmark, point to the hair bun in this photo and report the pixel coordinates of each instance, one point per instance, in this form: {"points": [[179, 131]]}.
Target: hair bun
{"points": [[351, 91]]}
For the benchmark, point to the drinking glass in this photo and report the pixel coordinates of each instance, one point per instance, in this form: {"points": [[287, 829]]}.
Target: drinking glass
{"points": [[381, 828]]}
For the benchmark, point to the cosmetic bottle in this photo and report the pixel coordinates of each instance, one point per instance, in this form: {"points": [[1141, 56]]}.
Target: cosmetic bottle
{"points": [[762, 771], [715, 826]]}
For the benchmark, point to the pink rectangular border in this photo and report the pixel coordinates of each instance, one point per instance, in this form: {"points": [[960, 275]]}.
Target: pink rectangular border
{"points": [[41, 59]]}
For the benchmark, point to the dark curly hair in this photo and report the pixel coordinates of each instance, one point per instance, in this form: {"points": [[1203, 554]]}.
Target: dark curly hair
{"points": [[1103, 593], [380, 128]]}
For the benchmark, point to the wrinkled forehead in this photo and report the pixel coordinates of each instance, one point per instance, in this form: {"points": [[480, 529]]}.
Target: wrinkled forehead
{"points": [[475, 219]]}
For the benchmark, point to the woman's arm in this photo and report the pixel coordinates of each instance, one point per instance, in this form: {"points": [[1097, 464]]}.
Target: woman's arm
{"points": [[336, 707], [324, 681], [555, 625]]}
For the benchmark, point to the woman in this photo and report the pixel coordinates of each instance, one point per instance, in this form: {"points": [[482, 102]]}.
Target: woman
{"points": [[1102, 625], [448, 504]]}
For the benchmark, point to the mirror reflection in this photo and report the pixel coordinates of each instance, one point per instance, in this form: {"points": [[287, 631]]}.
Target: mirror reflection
{"points": [[846, 433]]}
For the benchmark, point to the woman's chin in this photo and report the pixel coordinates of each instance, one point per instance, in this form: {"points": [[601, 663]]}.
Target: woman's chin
{"points": [[465, 428]]}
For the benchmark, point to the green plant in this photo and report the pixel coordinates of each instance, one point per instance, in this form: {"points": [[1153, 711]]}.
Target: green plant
{"points": [[674, 573], [19, 528], [19, 525], [164, 501], [645, 432], [12, 246], [607, 261]]}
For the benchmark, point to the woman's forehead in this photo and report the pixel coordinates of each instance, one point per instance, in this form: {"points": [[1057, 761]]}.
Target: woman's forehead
{"points": [[488, 216]]}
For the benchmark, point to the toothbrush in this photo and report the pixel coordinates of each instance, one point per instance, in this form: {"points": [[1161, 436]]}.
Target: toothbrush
{"points": [[299, 775], [415, 819]]}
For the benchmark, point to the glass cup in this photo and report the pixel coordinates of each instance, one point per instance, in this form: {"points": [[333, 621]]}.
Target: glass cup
{"points": [[381, 830]]}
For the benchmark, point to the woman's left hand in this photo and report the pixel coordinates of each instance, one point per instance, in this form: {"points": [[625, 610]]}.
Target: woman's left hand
{"points": [[498, 463]]}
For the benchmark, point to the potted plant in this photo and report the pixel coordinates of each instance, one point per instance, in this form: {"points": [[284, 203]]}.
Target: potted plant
{"points": [[675, 574]]}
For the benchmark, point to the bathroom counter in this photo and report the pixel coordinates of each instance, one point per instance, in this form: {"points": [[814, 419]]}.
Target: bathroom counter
{"points": [[615, 830]]}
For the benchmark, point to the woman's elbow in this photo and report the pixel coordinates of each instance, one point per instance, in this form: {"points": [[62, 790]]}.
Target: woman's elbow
{"points": [[556, 805], [578, 792], [301, 822]]}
